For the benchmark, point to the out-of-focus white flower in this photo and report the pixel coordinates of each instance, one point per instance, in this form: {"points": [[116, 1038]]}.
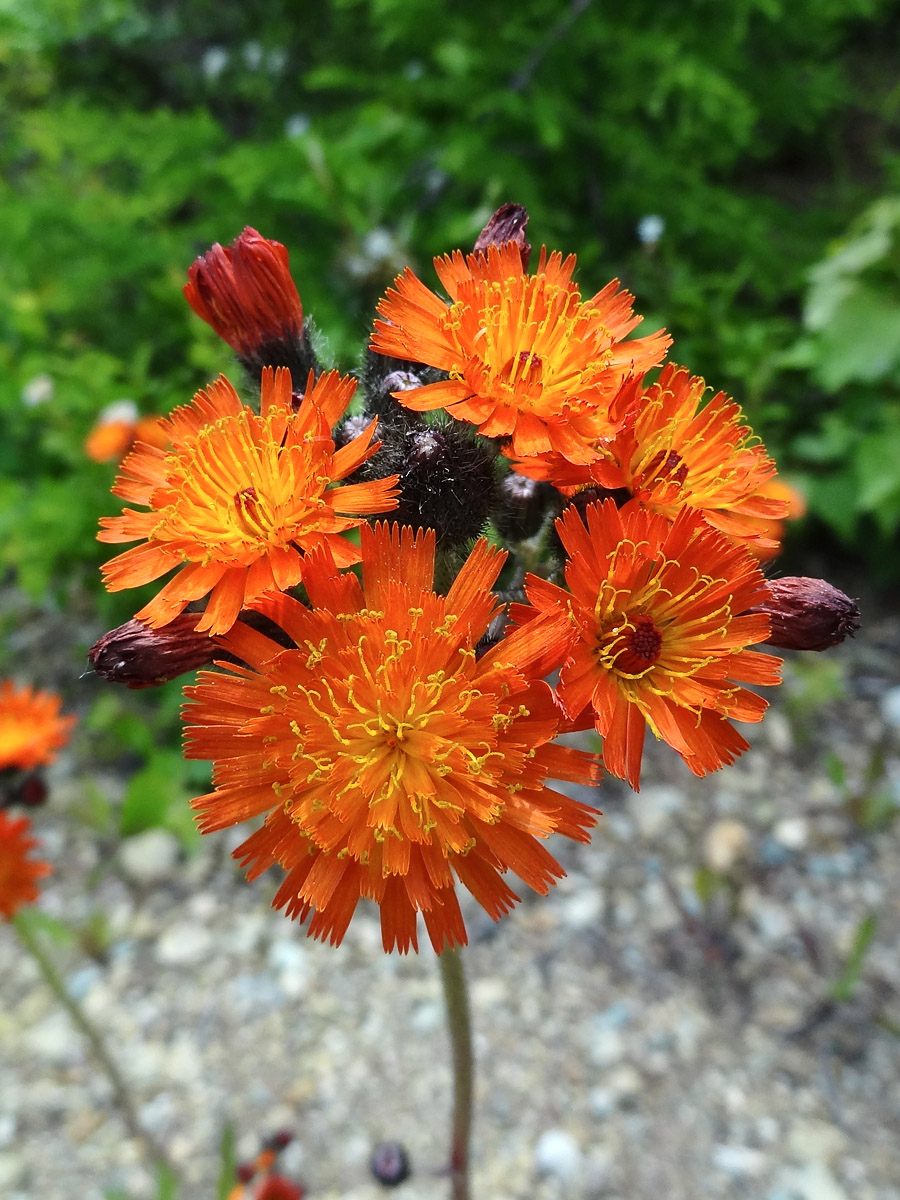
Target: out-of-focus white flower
{"points": [[253, 55], [297, 125], [38, 391], [124, 411], [650, 229], [276, 60], [214, 62]]}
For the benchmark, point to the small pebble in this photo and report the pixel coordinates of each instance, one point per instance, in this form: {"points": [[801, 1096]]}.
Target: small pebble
{"points": [[556, 1153], [890, 707], [390, 1164], [792, 832], [149, 858], [740, 1162], [184, 943], [726, 843]]}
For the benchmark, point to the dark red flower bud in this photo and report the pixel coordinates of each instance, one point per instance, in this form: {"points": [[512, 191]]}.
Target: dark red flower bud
{"points": [[244, 1172], [246, 293], [508, 224], [279, 1140], [808, 614], [138, 656], [32, 791]]}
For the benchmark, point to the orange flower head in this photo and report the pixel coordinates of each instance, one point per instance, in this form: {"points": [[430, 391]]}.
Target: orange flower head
{"points": [[653, 630], [240, 499], [768, 545], [527, 360], [672, 454], [31, 729], [390, 760], [18, 873], [116, 430], [246, 293]]}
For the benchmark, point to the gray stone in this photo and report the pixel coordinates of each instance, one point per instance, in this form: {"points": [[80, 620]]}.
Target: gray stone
{"points": [[149, 858], [556, 1153], [183, 944]]}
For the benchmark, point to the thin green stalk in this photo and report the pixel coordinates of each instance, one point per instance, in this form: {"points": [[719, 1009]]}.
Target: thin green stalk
{"points": [[80, 1020], [460, 1028]]}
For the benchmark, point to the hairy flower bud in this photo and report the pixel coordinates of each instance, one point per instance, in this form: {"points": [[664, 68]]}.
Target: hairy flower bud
{"points": [[522, 507], [446, 478], [508, 224], [808, 614], [139, 657], [246, 293]]}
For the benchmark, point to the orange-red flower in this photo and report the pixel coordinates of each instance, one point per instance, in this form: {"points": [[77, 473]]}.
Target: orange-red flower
{"points": [[672, 454], [527, 360], [31, 729], [388, 758], [18, 873], [116, 430], [246, 293], [653, 630], [768, 545], [240, 499]]}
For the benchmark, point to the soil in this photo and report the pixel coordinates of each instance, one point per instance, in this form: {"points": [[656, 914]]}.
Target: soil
{"points": [[677, 1019]]}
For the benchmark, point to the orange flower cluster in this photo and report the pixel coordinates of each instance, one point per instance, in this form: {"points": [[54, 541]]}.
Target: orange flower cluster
{"points": [[374, 711]]}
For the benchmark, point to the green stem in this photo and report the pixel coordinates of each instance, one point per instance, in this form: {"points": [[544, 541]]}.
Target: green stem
{"points": [[80, 1020], [460, 1027]]}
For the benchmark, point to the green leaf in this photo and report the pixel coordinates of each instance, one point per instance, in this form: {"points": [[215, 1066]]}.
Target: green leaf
{"points": [[845, 985]]}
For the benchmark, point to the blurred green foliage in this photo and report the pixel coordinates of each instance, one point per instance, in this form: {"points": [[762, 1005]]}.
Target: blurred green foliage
{"points": [[370, 133]]}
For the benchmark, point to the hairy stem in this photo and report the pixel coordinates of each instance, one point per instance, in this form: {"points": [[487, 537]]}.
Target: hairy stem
{"points": [[80, 1020], [460, 1028]]}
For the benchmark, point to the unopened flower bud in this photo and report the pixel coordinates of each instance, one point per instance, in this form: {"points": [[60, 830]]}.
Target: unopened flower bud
{"points": [[390, 1164], [508, 224], [447, 480], [32, 791], [522, 506], [246, 293], [278, 1187], [808, 614], [139, 657]]}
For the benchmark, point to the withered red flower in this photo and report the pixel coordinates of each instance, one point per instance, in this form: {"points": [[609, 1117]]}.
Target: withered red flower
{"points": [[808, 614]]}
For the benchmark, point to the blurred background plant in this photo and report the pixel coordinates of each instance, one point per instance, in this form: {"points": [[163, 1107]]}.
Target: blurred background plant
{"points": [[735, 165]]}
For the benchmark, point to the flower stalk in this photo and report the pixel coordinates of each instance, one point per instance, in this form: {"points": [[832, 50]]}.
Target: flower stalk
{"points": [[459, 1026], [84, 1025]]}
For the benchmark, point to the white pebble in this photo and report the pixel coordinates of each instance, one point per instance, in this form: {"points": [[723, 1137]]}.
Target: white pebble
{"points": [[792, 832], [814, 1181], [740, 1162], [184, 943], [890, 707], [725, 844], [150, 857], [557, 1153]]}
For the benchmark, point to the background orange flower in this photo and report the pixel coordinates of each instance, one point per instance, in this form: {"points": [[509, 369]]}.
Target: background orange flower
{"points": [[31, 729], [19, 874]]}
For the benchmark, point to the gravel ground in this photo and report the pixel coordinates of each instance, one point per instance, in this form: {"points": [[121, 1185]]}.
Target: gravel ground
{"points": [[632, 1043]]}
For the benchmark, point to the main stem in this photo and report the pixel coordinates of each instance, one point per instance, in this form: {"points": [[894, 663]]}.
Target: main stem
{"points": [[80, 1020], [460, 1027]]}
